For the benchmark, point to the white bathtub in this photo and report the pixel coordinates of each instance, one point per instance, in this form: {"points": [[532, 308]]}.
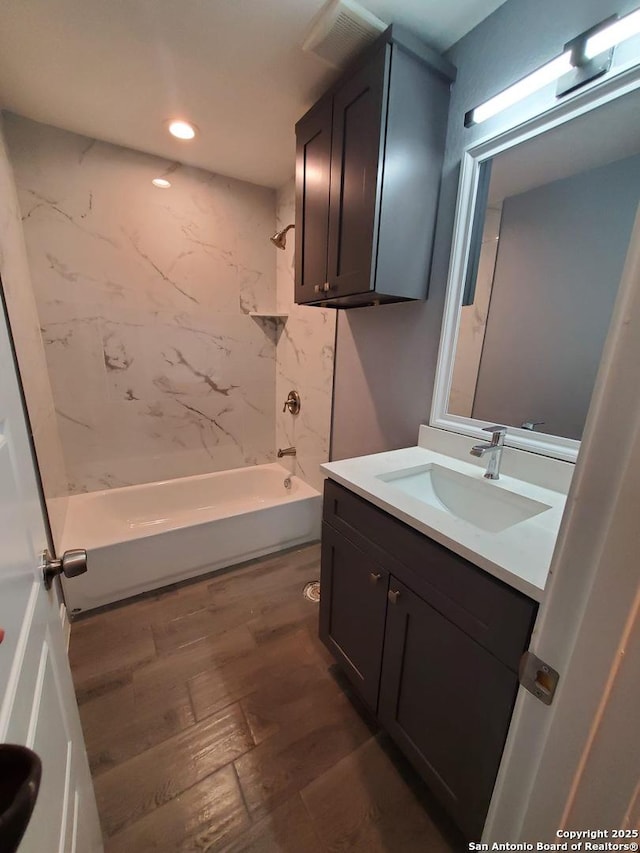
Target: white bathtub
{"points": [[143, 537]]}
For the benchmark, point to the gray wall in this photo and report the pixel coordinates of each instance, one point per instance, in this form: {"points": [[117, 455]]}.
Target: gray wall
{"points": [[386, 356], [561, 254]]}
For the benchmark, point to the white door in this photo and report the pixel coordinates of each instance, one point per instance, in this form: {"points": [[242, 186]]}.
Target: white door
{"points": [[37, 701], [574, 765]]}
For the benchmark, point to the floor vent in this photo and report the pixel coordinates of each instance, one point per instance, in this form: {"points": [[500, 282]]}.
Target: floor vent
{"points": [[340, 31], [311, 591]]}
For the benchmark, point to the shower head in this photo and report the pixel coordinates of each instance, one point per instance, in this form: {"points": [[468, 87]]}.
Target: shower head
{"points": [[279, 239]]}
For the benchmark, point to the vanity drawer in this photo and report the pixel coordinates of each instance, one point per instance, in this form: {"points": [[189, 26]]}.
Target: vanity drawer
{"points": [[492, 613]]}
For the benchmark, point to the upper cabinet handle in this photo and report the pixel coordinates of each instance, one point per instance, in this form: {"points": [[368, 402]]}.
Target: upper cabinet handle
{"points": [[374, 577], [393, 595]]}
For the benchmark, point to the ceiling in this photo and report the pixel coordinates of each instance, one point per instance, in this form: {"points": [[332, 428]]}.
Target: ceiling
{"points": [[578, 145], [117, 70]]}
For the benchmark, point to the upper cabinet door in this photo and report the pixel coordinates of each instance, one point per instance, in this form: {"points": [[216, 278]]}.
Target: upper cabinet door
{"points": [[356, 161], [313, 165]]}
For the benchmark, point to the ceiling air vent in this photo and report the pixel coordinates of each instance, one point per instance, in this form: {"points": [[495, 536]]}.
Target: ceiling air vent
{"points": [[340, 31]]}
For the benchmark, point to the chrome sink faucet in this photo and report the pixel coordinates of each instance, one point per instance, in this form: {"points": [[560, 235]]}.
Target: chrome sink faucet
{"points": [[494, 448]]}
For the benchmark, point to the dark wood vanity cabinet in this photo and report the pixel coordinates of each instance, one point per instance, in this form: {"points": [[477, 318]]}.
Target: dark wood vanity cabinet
{"points": [[430, 642], [368, 166], [354, 635], [447, 703]]}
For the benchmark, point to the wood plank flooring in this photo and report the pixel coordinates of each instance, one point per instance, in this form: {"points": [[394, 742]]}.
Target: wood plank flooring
{"points": [[215, 721]]}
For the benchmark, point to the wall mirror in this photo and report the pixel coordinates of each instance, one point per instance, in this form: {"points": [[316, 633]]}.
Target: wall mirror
{"points": [[544, 220]]}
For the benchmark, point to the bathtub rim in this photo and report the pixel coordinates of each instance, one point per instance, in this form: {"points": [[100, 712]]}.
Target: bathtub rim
{"points": [[70, 536]]}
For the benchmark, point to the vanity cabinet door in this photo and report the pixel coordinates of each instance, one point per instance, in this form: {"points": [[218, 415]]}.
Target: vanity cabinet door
{"points": [[313, 166], [356, 158], [352, 611], [447, 702]]}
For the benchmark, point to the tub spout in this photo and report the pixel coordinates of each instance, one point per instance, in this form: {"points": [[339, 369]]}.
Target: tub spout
{"points": [[288, 451]]}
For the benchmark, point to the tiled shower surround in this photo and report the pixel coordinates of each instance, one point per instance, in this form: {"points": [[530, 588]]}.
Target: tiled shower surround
{"points": [[23, 315], [157, 368], [304, 357]]}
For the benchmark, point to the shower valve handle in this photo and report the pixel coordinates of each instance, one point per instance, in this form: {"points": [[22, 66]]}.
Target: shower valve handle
{"points": [[292, 403]]}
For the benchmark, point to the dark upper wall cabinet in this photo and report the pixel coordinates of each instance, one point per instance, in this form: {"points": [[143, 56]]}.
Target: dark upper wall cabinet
{"points": [[368, 164]]}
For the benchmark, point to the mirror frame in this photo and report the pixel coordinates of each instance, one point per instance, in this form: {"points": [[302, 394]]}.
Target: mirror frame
{"points": [[599, 94]]}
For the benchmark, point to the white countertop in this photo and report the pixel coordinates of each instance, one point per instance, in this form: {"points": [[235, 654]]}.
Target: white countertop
{"points": [[520, 555]]}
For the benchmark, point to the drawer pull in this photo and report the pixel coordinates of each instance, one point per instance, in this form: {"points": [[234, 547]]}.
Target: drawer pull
{"points": [[374, 577], [393, 595]]}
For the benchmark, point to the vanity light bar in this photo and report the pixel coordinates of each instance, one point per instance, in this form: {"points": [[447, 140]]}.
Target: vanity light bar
{"points": [[578, 54], [523, 88], [613, 34]]}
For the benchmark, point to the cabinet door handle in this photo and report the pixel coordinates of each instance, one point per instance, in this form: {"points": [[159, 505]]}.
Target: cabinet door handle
{"points": [[374, 577], [393, 595], [322, 288]]}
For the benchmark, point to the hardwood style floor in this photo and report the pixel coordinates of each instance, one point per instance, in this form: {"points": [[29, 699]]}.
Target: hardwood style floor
{"points": [[214, 720]]}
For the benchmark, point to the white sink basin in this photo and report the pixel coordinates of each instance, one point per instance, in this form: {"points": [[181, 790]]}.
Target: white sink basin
{"points": [[483, 503]]}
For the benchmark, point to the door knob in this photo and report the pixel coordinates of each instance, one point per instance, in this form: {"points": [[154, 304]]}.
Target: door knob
{"points": [[72, 564], [393, 595]]}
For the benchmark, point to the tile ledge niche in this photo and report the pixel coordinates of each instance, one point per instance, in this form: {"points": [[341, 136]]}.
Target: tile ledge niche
{"points": [[274, 315], [542, 471]]}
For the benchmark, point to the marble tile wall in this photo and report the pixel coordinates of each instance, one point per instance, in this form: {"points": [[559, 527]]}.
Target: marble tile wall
{"points": [[25, 327], [305, 357], [144, 295]]}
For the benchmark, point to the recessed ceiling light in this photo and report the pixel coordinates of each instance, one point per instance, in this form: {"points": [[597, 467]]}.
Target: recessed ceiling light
{"points": [[182, 129], [163, 183]]}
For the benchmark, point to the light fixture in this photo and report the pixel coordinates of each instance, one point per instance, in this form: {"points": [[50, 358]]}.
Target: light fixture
{"points": [[182, 129], [520, 90], [279, 239], [614, 33], [584, 58], [161, 183], [585, 68]]}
